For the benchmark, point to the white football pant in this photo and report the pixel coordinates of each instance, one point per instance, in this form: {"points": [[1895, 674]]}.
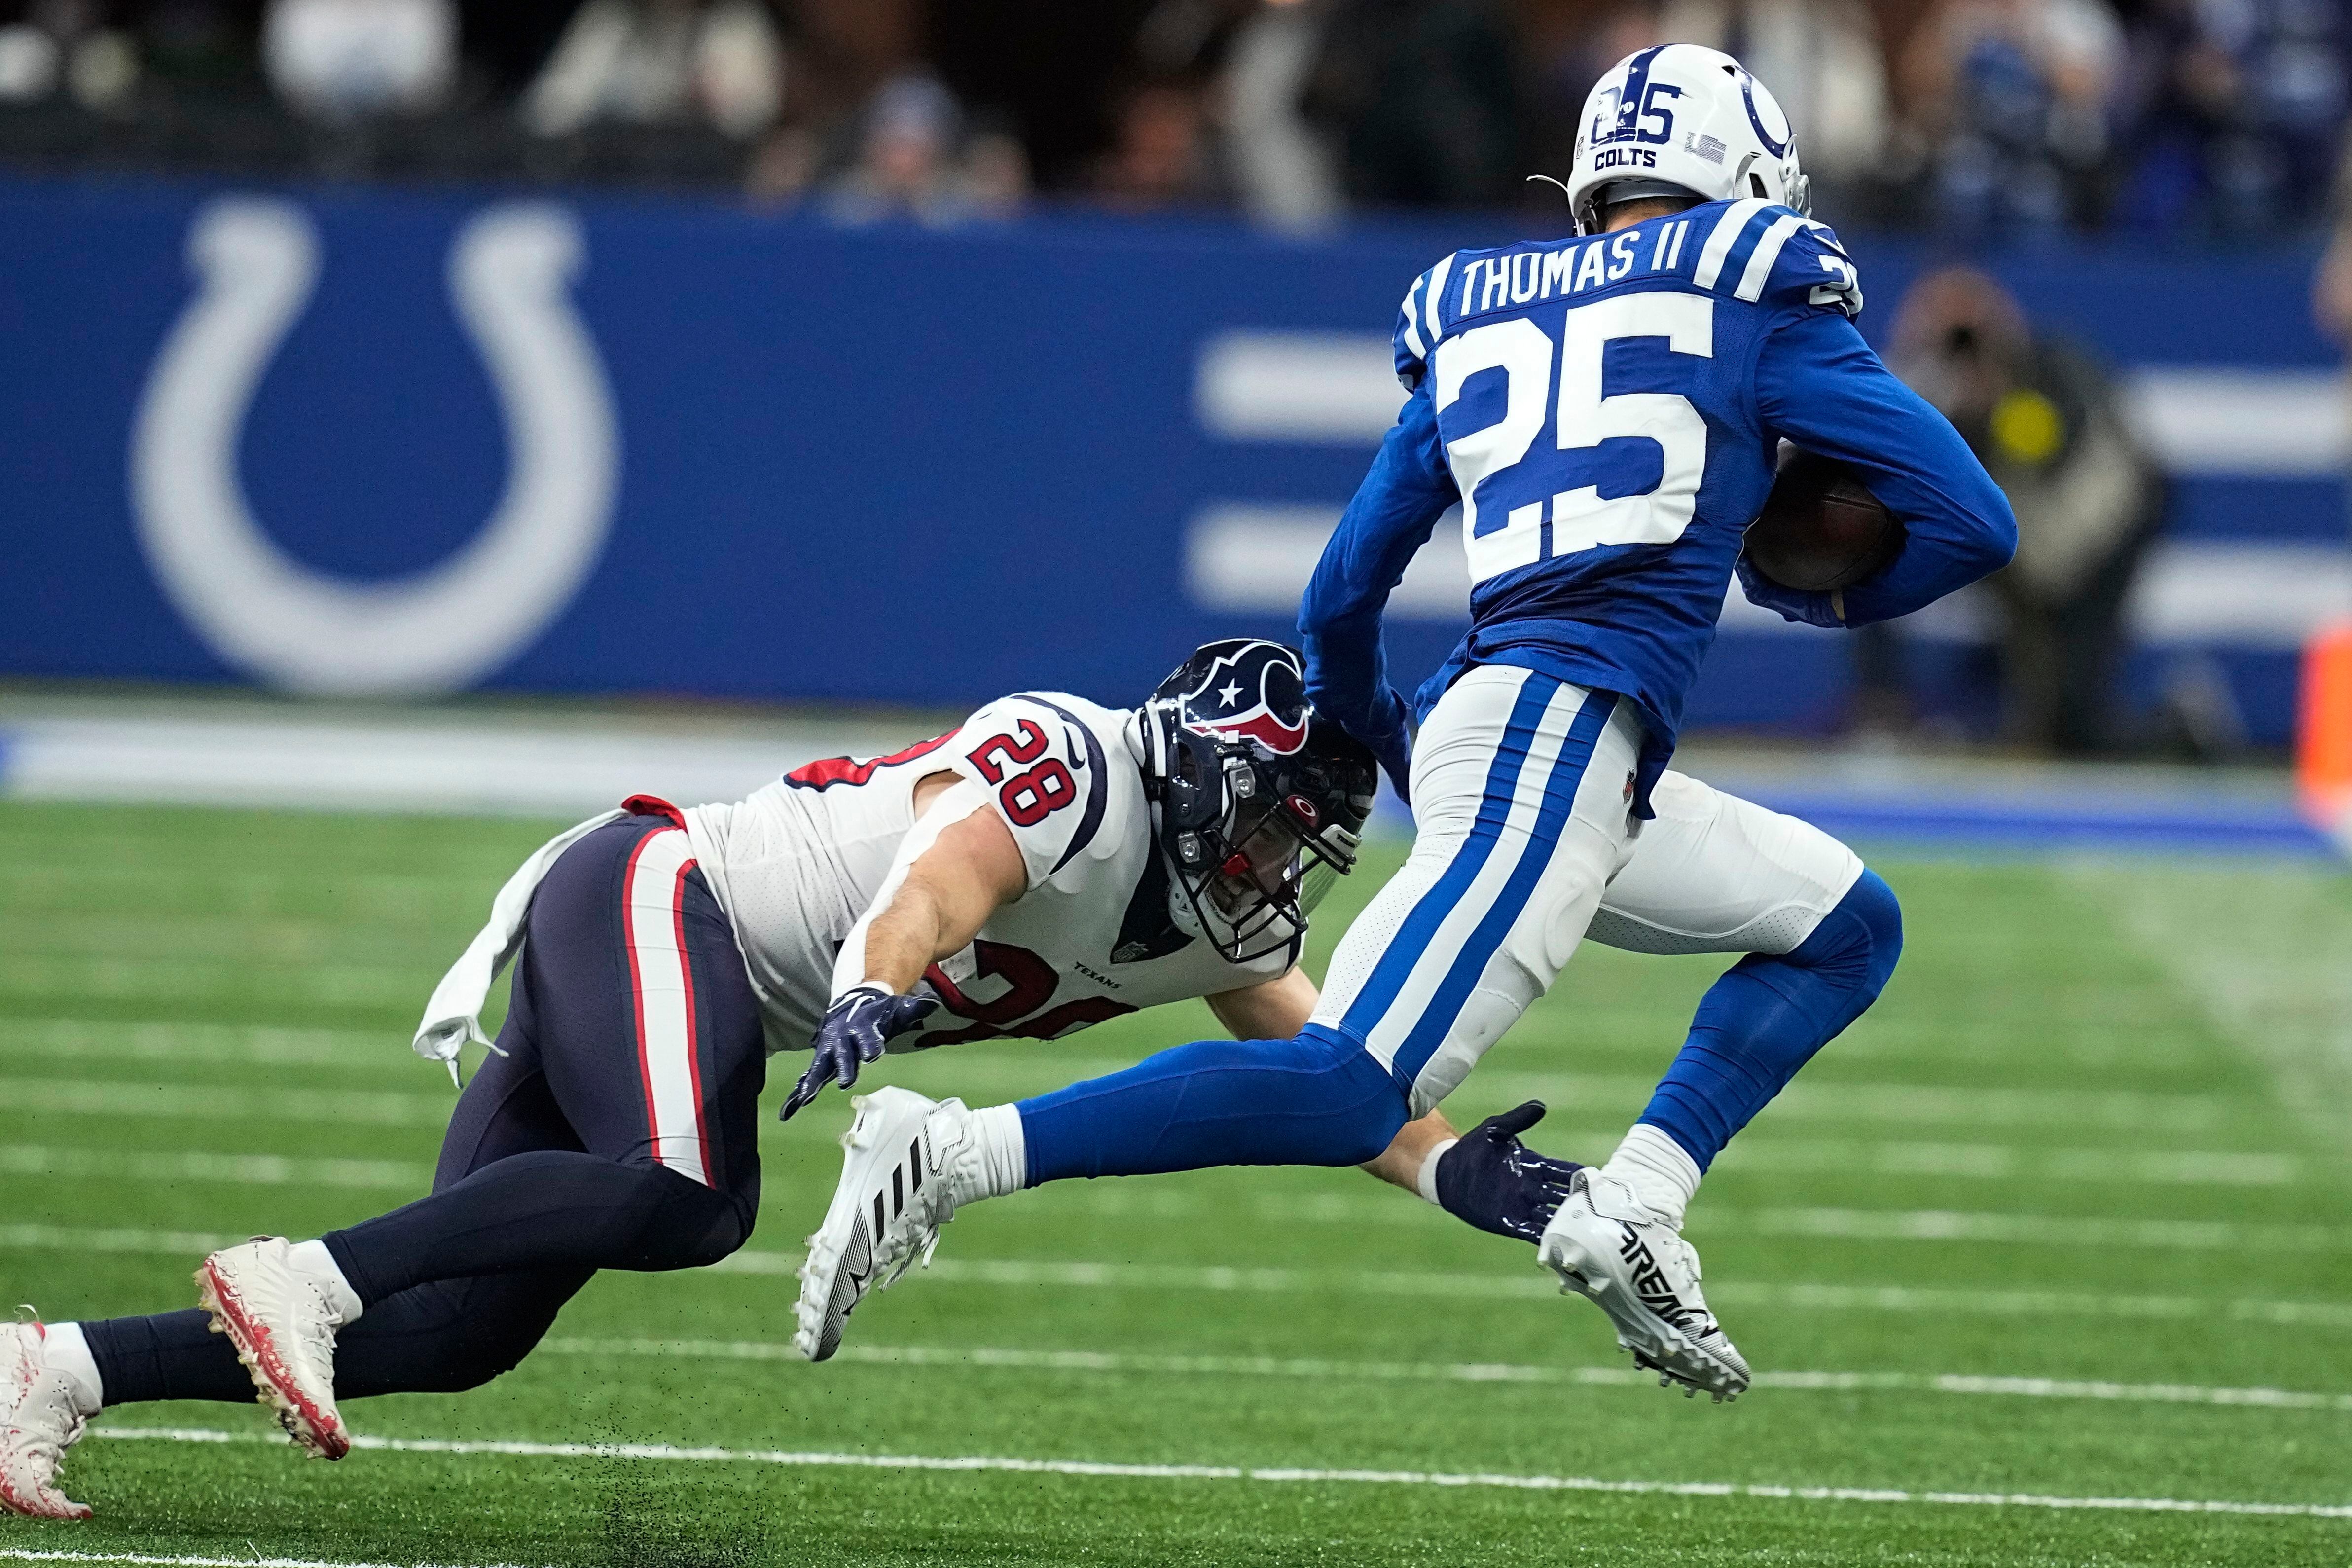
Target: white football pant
{"points": [[1522, 787]]}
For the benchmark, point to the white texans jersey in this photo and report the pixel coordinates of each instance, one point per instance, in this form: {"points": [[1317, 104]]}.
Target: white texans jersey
{"points": [[797, 863]]}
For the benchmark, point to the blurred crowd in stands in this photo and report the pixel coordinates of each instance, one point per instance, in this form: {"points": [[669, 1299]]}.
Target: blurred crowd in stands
{"points": [[1981, 119]]}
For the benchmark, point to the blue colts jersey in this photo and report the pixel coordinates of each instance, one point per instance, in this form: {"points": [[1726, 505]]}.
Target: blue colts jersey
{"points": [[1608, 412]]}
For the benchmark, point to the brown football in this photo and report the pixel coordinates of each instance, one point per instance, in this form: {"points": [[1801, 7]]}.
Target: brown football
{"points": [[1820, 528]]}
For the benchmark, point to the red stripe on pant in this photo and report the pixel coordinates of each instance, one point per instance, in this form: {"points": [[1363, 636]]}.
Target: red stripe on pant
{"points": [[661, 983]]}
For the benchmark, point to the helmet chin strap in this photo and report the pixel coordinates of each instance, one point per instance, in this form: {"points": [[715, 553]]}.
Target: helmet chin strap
{"points": [[1142, 747]]}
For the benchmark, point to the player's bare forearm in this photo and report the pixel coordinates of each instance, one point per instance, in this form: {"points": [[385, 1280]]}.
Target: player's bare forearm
{"points": [[905, 939], [1399, 1163], [1276, 1009], [969, 871]]}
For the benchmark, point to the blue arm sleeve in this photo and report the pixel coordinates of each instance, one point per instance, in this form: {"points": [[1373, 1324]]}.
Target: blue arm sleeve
{"points": [[1400, 499], [1819, 385]]}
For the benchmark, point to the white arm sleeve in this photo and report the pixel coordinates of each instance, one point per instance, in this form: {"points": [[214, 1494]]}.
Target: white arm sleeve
{"points": [[955, 802]]}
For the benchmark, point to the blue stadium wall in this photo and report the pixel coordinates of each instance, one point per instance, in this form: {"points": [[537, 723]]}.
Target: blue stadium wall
{"points": [[778, 459]]}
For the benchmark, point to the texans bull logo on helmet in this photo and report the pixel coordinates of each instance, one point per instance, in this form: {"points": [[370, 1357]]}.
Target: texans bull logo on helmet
{"points": [[1256, 692]]}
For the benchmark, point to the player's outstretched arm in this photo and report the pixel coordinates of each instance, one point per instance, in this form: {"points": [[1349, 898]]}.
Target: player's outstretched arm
{"points": [[1487, 1179], [1279, 1009], [1407, 1158], [1401, 497], [1818, 384], [1275, 1009], [955, 870], [937, 898]]}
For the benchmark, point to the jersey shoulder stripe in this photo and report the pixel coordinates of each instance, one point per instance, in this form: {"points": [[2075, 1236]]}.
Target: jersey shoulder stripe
{"points": [[1097, 789], [1767, 251], [1716, 252], [1417, 324], [1766, 254], [1040, 759], [1436, 295], [827, 771]]}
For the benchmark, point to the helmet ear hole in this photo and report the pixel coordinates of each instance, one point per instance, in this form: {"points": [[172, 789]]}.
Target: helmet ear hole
{"points": [[1756, 184]]}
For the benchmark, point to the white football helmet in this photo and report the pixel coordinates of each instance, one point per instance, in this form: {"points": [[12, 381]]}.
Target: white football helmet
{"points": [[1679, 118]]}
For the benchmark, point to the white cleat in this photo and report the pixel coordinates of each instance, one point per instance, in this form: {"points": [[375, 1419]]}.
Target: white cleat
{"points": [[282, 1320], [39, 1420], [1607, 1246], [893, 1196]]}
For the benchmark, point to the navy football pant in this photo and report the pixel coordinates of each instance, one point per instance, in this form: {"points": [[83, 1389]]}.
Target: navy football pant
{"points": [[618, 1130]]}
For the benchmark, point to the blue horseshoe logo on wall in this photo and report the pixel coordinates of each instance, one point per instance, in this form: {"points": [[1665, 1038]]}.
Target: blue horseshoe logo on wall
{"points": [[257, 262]]}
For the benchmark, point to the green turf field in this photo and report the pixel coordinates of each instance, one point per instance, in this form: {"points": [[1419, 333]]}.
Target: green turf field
{"points": [[2065, 1216]]}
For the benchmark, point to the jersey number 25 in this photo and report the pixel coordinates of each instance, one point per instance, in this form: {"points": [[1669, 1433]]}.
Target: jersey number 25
{"points": [[1495, 458]]}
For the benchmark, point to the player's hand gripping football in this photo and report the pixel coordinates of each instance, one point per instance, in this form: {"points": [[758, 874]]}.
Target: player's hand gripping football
{"points": [[860, 1022]]}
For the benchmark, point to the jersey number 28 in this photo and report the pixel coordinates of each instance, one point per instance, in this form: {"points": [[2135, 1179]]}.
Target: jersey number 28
{"points": [[1030, 797], [1575, 518]]}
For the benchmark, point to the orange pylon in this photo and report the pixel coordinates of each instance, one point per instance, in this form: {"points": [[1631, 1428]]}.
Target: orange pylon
{"points": [[2324, 744]]}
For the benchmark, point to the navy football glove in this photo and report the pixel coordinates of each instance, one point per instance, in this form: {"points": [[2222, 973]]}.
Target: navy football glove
{"points": [[860, 1022], [1495, 1181]]}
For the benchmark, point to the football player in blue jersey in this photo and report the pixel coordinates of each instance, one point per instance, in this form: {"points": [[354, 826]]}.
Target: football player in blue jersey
{"points": [[1607, 410]]}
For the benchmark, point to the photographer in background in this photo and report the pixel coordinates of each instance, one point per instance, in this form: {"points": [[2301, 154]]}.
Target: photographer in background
{"points": [[2047, 423]]}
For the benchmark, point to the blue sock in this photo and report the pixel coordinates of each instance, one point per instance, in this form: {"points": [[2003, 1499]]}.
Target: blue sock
{"points": [[1319, 1100], [1768, 1016]]}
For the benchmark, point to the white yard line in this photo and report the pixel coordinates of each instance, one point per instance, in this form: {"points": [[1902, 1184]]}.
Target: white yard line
{"points": [[1450, 1372], [1894, 1104], [226, 1170], [1097, 1468], [1812, 1099], [1354, 1210], [2042, 1230], [2014, 1163], [21, 1554], [2260, 951], [1531, 1285], [1756, 1152], [1798, 1297], [209, 1102], [1808, 1100], [103, 1039], [77, 1238], [1358, 1209]]}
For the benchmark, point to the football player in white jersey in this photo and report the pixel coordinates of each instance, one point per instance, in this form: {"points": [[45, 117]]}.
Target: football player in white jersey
{"points": [[1047, 865]]}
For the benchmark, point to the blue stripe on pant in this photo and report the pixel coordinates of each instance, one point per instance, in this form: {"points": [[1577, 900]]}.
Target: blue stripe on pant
{"points": [[1567, 776], [1420, 929], [1321, 1099]]}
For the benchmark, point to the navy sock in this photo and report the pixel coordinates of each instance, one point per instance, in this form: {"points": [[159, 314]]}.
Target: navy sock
{"points": [[1767, 1015], [438, 1338], [171, 1355], [1319, 1099]]}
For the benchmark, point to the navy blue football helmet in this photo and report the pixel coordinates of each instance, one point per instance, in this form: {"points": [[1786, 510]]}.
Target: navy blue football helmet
{"points": [[1259, 802]]}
